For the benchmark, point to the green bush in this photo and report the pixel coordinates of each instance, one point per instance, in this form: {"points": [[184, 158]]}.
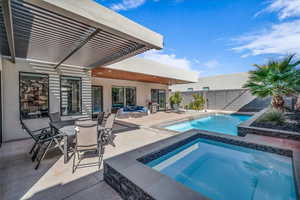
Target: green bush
{"points": [[273, 116], [197, 104], [175, 99]]}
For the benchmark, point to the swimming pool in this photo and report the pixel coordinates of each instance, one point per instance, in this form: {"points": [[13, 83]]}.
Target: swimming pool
{"points": [[220, 123], [225, 172]]}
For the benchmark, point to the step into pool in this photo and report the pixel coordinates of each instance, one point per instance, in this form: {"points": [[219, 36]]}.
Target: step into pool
{"points": [[223, 171], [220, 123]]}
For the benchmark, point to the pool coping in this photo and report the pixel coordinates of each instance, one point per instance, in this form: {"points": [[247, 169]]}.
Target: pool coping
{"points": [[127, 174], [246, 128], [161, 126]]}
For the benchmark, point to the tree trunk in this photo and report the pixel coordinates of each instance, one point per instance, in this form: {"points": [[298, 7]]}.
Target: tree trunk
{"points": [[278, 102]]}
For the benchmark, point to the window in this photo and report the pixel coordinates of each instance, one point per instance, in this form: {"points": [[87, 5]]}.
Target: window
{"points": [[159, 96], [205, 88], [70, 94], [97, 99], [190, 89], [117, 97], [123, 96], [130, 96], [34, 95]]}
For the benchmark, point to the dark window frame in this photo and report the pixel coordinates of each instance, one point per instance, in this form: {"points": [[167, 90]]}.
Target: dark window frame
{"points": [[165, 91], [60, 101], [102, 102], [124, 96], [37, 73]]}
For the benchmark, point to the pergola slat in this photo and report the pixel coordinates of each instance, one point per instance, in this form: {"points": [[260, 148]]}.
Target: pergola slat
{"points": [[36, 30], [7, 17]]}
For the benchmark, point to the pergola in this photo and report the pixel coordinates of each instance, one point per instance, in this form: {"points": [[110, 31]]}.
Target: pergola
{"points": [[81, 33]]}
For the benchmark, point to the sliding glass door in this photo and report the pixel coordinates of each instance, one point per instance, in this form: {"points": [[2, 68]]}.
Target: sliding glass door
{"points": [[130, 96], [97, 100], [159, 96], [123, 96], [117, 98]]}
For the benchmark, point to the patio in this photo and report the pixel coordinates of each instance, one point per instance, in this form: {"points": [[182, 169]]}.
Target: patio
{"points": [[54, 179]]}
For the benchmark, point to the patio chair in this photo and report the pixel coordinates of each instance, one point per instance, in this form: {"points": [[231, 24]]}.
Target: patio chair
{"points": [[42, 137], [87, 140], [106, 136], [36, 135], [47, 144], [55, 117], [100, 118]]}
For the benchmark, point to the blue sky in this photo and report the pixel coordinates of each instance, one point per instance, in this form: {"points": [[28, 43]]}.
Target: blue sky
{"points": [[215, 37]]}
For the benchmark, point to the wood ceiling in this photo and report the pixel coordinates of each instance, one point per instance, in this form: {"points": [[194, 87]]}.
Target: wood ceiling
{"points": [[102, 72]]}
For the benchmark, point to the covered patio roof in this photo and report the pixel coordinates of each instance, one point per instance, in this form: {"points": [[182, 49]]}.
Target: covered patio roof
{"points": [[81, 33], [145, 70]]}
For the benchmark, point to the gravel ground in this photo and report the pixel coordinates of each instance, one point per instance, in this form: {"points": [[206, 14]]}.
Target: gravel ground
{"points": [[292, 123]]}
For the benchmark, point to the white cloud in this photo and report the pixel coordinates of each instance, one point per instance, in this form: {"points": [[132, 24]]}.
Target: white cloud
{"points": [[169, 59], [211, 64], [127, 4], [280, 39], [285, 8]]}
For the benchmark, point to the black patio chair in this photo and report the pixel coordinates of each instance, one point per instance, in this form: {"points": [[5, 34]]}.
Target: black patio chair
{"points": [[42, 137], [36, 135]]}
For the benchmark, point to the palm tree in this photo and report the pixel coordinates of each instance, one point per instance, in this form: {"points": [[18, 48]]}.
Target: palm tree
{"points": [[277, 79]]}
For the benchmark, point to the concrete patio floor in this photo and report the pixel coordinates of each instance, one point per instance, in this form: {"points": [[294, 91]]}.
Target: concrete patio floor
{"points": [[55, 180]]}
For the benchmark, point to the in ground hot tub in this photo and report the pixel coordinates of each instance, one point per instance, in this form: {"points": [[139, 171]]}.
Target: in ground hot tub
{"points": [[205, 165]]}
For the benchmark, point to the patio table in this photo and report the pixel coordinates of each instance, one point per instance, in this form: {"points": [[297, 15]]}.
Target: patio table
{"points": [[68, 130]]}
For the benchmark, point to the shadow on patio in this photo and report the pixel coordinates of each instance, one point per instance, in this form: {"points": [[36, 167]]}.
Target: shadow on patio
{"points": [[54, 179]]}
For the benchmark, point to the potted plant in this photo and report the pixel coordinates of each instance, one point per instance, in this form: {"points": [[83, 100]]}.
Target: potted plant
{"points": [[175, 100]]}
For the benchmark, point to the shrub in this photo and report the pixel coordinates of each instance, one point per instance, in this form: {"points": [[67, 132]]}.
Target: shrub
{"points": [[198, 103], [175, 99], [273, 116]]}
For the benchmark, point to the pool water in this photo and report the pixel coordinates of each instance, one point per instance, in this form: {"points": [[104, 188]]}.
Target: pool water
{"points": [[219, 123], [228, 172]]}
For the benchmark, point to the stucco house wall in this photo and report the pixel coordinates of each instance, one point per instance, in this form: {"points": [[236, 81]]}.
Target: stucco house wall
{"points": [[11, 113], [219, 82], [143, 90]]}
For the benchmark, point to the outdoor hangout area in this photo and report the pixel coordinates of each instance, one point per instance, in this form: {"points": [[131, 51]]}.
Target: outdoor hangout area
{"points": [[93, 107]]}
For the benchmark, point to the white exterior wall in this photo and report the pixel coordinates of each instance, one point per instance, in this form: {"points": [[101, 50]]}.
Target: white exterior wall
{"points": [[150, 67], [143, 90], [11, 124], [219, 82]]}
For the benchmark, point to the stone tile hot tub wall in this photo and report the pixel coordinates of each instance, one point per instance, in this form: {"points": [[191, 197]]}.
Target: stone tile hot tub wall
{"points": [[129, 176]]}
